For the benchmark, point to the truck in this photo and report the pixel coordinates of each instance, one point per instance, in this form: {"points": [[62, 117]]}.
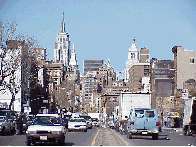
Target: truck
{"points": [[128, 101], [95, 117], [189, 119]]}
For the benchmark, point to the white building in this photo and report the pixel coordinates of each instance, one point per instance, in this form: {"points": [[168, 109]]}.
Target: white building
{"points": [[62, 46], [133, 58]]}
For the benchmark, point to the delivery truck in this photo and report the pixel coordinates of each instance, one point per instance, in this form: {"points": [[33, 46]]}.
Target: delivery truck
{"points": [[189, 119]]}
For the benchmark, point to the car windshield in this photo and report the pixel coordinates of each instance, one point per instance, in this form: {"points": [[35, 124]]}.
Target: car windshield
{"points": [[77, 120], [94, 119], [45, 120], [85, 117]]}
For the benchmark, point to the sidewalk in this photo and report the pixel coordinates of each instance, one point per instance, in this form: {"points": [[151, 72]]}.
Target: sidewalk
{"points": [[108, 137], [175, 129]]}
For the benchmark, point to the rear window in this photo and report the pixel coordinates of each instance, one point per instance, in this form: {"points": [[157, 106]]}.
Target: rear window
{"points": [[150, 114], [139, 113]]}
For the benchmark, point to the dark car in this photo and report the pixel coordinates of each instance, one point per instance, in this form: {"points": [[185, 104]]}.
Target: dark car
{"points": [[11, 115]]}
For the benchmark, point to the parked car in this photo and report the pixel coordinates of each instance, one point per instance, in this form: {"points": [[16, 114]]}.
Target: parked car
{"points": [[88, 120], [95, 121], [5, 125], [77, 124], [11, 115], [46, 128], [143, 121]]}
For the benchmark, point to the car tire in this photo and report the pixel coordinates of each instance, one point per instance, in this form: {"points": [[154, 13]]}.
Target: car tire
{"points": [[28, 143], [69, 130], [129, 136], [155, 136], [85, 130]]}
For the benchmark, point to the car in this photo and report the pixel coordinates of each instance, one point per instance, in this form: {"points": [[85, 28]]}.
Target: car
{"points": [[76, 124], [88, 120], [143, 121], [5, 125], [95, 121], [46, 128], [11, 115]]}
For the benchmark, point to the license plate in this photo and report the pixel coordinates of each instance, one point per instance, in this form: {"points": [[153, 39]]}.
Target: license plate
{"points": [[144, 133], [43, 137]]}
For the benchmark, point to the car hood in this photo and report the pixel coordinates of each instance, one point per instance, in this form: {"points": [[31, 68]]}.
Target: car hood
{"points": [[44, 127], [76, 123]]}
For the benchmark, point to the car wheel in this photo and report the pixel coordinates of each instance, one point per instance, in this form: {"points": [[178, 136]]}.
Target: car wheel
{"points": [[28, 143], [69, 130], [85, 130], [129, 135], [155, 136]]}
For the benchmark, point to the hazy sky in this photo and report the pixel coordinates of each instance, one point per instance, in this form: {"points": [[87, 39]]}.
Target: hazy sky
{"points": [[102, 29]]}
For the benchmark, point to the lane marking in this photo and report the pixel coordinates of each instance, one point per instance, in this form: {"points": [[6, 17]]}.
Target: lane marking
{"points": [[121, 138], [93, 143]]}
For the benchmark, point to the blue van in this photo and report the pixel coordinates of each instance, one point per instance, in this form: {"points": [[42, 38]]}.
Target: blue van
{"points": [[143, 121]]}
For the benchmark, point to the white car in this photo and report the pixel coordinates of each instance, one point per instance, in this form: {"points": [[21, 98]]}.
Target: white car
{"points": [[46, 128], [77, 124], [5, 125]]}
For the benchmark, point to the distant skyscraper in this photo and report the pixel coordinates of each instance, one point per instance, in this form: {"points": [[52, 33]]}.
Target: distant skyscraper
{"points": [[73, 60], [62, 46], [92, 65]]}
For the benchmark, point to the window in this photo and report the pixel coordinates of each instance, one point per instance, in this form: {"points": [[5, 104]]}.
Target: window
{"points": [[132, 55], [149, 114], [146, 74], [192, 60], [139, 113]]}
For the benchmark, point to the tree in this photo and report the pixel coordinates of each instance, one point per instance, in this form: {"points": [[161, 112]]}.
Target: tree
{"points": [[17, 53]]}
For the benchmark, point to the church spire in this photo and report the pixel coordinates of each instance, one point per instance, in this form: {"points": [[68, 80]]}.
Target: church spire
{"points": [[63, 24]]}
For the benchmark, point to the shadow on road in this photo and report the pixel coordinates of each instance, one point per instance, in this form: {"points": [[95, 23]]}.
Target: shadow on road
{"points": [[69, 143]]}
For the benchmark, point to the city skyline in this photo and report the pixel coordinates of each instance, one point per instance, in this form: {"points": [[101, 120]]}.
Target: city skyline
{"points": [[105, 29]]}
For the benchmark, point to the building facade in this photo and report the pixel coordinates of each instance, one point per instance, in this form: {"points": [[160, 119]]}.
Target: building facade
{"points": [[92, 65], [62, 53]]}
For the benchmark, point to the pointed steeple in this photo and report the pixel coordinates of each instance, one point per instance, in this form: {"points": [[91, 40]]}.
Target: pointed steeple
{"points": [[63, 24], [134, 40]]}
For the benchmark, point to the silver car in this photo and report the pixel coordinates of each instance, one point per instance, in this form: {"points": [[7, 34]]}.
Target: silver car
{"points": [[5, 125], [77, 124], [46, 128]]}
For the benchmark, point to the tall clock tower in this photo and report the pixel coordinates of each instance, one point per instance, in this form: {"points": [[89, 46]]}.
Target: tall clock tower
{"points": [[62, 53], [133, 58]]}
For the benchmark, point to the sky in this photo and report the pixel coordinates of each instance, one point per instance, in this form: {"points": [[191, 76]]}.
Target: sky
{"points": [[104, 29]]}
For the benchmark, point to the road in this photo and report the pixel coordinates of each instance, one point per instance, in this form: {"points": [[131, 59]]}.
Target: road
{"points": [[168, 137]]}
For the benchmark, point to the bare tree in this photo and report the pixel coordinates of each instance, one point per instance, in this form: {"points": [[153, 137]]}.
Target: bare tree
{"points": [[17, 52]]}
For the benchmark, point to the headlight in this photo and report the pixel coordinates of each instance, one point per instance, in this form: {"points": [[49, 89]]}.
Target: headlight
{"points": [[31, 132], [56, 132]]}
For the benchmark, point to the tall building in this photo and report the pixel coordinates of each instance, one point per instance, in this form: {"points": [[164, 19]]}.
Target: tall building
{"points": [[92, 65], [62, 46], [133, 58]]}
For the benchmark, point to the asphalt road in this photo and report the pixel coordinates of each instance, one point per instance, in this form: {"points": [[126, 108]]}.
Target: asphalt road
{"points": [[166, 138], [78, 138]]}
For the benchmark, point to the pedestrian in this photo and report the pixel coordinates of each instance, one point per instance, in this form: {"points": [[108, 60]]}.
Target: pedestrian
{"points": [[165, 123], [18, 124]]}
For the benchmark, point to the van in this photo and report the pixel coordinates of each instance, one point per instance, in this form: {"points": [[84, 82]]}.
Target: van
{"points": [[143, 121]]}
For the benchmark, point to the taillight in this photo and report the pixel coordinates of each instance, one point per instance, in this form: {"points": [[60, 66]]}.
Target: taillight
{"points": [[132, 123], [158, 124]]}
